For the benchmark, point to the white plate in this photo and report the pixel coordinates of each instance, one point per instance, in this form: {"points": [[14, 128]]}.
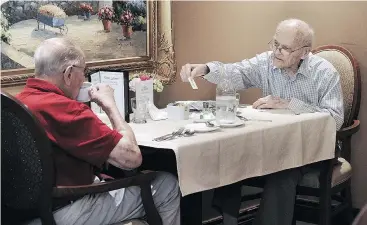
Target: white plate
{"points": [[201, 127], [237, 123], [202, 120]]}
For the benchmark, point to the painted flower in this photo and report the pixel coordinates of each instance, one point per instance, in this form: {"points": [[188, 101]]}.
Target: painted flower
{"points": [[126, 18], [105, 13]]}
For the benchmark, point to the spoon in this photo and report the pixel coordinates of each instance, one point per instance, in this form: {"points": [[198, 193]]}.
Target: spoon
{"points": [[245, 119], [209, 124], [188, 132]]}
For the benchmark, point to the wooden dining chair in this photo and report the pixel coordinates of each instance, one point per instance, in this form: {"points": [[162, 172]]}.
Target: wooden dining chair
{"points": [[27, 172], [361, 218], [333, 181]]}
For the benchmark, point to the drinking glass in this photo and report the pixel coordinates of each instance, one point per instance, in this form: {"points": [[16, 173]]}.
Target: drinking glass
{"points": [[139, 108], [238, 98]]}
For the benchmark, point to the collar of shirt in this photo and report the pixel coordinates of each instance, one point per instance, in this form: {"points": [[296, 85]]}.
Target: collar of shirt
{"points": [[43, 85]]}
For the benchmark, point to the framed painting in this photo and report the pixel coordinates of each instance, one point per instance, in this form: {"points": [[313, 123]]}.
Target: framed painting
{"points": [[130, 35]]}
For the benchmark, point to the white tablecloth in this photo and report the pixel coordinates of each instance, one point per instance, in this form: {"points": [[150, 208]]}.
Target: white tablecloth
{"points": [[210, 160]]}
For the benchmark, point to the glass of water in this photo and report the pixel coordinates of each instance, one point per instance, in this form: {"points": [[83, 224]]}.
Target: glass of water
{"points": [[226, 107], [139, 108], [238, 96]]}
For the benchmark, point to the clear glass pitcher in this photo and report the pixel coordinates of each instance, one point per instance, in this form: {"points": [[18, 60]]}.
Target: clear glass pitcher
{"points": [[226, 102]]}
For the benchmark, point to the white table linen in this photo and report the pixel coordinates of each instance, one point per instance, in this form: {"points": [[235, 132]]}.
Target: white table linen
{"points": [[210, 160]]}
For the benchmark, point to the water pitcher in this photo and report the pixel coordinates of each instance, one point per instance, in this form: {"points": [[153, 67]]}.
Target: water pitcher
{"points": [[226, 103]]}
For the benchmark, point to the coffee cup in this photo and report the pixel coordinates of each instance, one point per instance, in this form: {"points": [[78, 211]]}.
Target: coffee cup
{"points": [[83, 95]]}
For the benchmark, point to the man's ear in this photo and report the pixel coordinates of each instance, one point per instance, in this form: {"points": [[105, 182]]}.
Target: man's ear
{"points": [[306, 51], [67, 76]]}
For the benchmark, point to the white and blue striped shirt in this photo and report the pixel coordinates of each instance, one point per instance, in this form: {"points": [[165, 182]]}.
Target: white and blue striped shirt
{"points": [[315, 87]]}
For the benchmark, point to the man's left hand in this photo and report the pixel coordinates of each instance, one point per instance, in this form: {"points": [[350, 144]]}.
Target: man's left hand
{"points": [[271, 102]]}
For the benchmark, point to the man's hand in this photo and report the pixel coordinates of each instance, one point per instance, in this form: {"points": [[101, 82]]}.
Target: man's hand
{"points": [[102, 94], [270, 102], [193, 70]]}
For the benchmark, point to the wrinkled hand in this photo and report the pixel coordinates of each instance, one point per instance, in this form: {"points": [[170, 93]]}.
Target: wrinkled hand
{"points": [[271, 102], [193, 70], [103, 95]]}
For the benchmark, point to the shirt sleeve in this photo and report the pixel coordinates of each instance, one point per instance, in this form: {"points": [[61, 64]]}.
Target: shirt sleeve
{"points": [[244, 74], [331, 100], [86, 137]]}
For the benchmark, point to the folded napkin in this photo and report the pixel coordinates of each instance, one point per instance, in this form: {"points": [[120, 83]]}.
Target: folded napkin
{"points": [[155, 113], [197, 105], [202, 116], [118, 194]]}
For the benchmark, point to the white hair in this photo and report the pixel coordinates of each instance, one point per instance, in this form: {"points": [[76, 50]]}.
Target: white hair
{"points": [[304, 32], [54, 55]]}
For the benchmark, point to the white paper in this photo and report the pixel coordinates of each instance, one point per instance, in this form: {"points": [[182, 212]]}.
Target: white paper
{"points": [[116, 81], [144, 89], [193, 83], [95, 79]]}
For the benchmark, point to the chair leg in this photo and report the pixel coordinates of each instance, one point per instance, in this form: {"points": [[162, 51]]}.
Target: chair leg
{"points": [[347, 194], [47, 217], [325, 193], [294, 220], [227, 200]]}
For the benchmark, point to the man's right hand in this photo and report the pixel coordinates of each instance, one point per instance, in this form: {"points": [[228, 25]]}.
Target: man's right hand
{"points": [[193, 70], [102, 94]]}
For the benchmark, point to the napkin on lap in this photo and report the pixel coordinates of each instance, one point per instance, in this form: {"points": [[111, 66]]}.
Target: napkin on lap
{"points": [[155, 113], [118, 194]]}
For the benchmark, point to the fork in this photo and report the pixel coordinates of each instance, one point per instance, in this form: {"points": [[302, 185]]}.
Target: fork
{"points": [[257, 120], [171, 135], [209, 124]]}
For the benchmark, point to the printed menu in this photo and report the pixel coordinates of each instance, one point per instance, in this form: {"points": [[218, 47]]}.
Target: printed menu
{"points": [[144, 90], [116, 81]]}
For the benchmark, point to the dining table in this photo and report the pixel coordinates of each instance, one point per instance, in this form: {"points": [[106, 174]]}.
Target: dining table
{"points": [[259, 143]]}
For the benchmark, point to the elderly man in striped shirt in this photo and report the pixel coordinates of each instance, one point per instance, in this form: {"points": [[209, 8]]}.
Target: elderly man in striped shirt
{"points": [[291, 78]]}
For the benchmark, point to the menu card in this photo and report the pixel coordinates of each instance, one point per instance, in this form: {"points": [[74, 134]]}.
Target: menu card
{"points": [[114, 80], [144, 89]]}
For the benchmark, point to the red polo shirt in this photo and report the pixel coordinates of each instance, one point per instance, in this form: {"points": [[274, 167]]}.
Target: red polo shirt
{"points": [[81, 141]]}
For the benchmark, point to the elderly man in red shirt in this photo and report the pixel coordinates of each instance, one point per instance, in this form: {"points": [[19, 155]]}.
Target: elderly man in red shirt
{"points": [[82, 142]]}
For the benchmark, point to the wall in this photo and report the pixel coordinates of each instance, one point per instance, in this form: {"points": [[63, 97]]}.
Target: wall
{"points": [[232, 31]]}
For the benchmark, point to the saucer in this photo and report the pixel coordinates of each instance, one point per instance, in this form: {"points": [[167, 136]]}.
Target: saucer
{"points": [[201, 127], [236, 123]]}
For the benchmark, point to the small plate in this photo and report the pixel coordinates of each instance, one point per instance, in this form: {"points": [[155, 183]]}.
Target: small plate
{"points": [[201, 127], [202, 120], [237, 123]]}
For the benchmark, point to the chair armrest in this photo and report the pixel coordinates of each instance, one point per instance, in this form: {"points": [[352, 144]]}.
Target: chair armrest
{"points": [[143, 178], [348, 131]]}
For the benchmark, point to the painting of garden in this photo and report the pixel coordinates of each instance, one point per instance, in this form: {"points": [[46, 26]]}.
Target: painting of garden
{"points": [[103, 29]]}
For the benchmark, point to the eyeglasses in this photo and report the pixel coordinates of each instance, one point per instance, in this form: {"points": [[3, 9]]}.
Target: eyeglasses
{"points": [[81, 67], [274, 45]]}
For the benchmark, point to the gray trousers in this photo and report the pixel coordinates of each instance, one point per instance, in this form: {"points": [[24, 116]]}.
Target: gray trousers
{"points": [[278, 198], [101, 209], [277, 202]]}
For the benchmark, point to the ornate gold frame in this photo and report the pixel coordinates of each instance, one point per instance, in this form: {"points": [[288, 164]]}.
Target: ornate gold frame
{"points": [[160, 58]]}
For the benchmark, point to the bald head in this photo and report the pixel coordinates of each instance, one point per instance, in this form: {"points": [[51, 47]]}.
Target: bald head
{"points": [[303, 33], [56, 54]]}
